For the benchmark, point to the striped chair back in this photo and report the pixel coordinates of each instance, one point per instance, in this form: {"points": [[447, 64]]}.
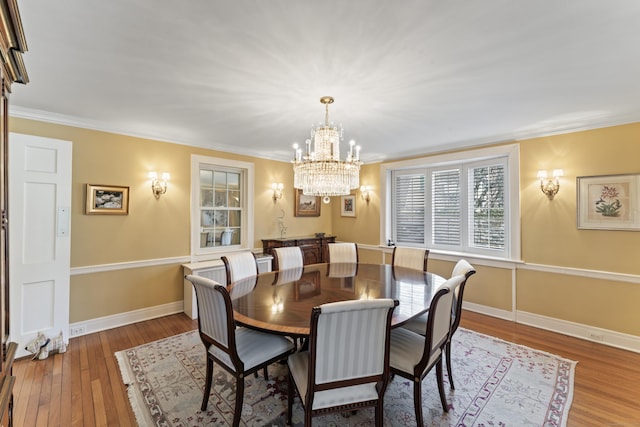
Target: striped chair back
{"points": [[240, 265], [288, 257], [343, 252], [215, 316], [350, 340], [415, 258], [439, 318]]}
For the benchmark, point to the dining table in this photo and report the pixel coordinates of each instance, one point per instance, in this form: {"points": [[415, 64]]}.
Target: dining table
{"points": [[281, 301]]}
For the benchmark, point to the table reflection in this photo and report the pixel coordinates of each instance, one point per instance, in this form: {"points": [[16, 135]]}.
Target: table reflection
{"points": [[282, 301]]}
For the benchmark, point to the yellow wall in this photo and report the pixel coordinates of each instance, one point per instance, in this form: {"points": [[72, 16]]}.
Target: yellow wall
{"points": [[549, 236], [154, 229], [157, 229]]}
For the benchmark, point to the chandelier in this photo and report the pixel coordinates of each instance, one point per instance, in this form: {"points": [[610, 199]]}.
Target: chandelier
{"points": [[321, 172]]}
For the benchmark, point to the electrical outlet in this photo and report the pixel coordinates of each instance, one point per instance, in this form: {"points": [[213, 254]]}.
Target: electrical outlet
{"points": [[596, 336], [78, 330]]}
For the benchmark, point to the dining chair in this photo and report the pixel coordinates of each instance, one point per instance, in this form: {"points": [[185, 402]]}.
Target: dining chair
{"points": [[418, 324], [240, 351], [343, 252], [347, 364], [287, 257], [462, 268], [239, 265], [406, 257], [413, 355]]}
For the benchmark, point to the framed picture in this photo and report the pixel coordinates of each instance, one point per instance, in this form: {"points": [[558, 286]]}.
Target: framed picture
{"points": [[306, 205], [348, 205], [609, 202], [107, 200]]}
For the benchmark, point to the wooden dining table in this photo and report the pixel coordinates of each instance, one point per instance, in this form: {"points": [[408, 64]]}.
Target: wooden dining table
{"points": [[281, 302]]}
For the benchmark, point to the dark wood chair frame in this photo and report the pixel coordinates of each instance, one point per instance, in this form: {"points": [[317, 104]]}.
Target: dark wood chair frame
{"points": [[357, 255], [227, 268], [240, 372], [276, 262], [382, 381], [419, 370], [424, 264], [454, 325]]}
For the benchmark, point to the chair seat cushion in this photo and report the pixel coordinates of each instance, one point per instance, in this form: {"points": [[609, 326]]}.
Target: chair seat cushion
{"points": [[254, 347], [417, 324], [299, 366], [407, 349]]}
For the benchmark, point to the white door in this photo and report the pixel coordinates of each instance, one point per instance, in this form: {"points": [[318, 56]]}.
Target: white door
{"points": [[39, 241]]}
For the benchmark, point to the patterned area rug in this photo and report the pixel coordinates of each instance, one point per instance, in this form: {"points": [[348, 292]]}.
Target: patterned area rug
{"points": [[497, 384]]}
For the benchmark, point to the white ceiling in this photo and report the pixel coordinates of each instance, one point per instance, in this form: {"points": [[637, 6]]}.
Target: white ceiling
{"points": [[409, 77]]}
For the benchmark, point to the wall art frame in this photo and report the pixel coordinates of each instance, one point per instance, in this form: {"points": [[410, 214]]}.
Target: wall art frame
{"points": [[306, 205], [107, 200], [348, 205], [608, 202]]}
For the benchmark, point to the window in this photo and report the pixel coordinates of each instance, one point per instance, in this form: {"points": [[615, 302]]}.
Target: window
{"points": [[462, 204], [222, 209]]}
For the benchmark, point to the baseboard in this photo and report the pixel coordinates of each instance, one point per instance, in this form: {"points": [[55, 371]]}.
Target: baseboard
{"points": [[108, 322], [578, 330], [489, 311]]}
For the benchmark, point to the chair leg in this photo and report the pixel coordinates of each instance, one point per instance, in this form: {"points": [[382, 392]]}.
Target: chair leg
{"points": [[290, 393], [448, 357], [440, 380], [239, 397], [266, 374], [207, 384], [379, 420], [417, 401]]}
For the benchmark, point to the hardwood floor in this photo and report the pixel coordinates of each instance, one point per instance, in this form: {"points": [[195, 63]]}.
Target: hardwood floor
{"points": [[83, 386]]}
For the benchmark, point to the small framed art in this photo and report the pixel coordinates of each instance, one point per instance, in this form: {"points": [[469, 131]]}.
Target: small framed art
{"points": [[609, 202], [107, 200], [306, 205], [348, 205]]}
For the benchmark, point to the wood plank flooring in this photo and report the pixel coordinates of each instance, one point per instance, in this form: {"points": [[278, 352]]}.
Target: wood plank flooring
{"points": [[83, 386]]}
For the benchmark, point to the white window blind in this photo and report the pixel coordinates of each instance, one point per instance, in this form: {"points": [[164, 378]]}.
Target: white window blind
{"points": [[446, 207], [409, 207], [461, 206]]}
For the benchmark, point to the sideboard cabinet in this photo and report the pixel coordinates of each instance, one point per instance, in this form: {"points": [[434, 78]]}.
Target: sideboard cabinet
{"points": [[314, 249]]}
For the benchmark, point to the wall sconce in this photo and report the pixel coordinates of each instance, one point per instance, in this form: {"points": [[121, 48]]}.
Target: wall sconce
{"points": [[364, 192], [551, 187], [158, 186], [277, 191]]}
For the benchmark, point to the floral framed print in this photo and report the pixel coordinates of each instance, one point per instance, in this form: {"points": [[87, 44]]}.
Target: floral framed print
{"points": [[107, 200], [306, 205], [609, 202], [348, 205]]}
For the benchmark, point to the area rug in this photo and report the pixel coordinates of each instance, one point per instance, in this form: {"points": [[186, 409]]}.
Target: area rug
{"points": [[497, 384]]}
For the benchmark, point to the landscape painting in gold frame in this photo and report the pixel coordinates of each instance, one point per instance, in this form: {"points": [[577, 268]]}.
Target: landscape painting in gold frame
{"points": [[107, 200], [306, 205]]}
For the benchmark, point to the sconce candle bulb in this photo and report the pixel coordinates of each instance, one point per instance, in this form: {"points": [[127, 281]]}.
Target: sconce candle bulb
{"points": [[364, 192], [551, 187], [158, 186], [277, 191]]}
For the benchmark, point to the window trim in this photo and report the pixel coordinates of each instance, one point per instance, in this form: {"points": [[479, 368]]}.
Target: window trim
{"points": [[202, 254], [512, 154]]}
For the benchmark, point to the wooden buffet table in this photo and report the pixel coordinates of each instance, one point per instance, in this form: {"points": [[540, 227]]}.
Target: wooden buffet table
{"points": [[314, 249]]}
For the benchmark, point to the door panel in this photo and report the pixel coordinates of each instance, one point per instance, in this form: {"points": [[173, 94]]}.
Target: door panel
{"points": [[39, 191]]}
